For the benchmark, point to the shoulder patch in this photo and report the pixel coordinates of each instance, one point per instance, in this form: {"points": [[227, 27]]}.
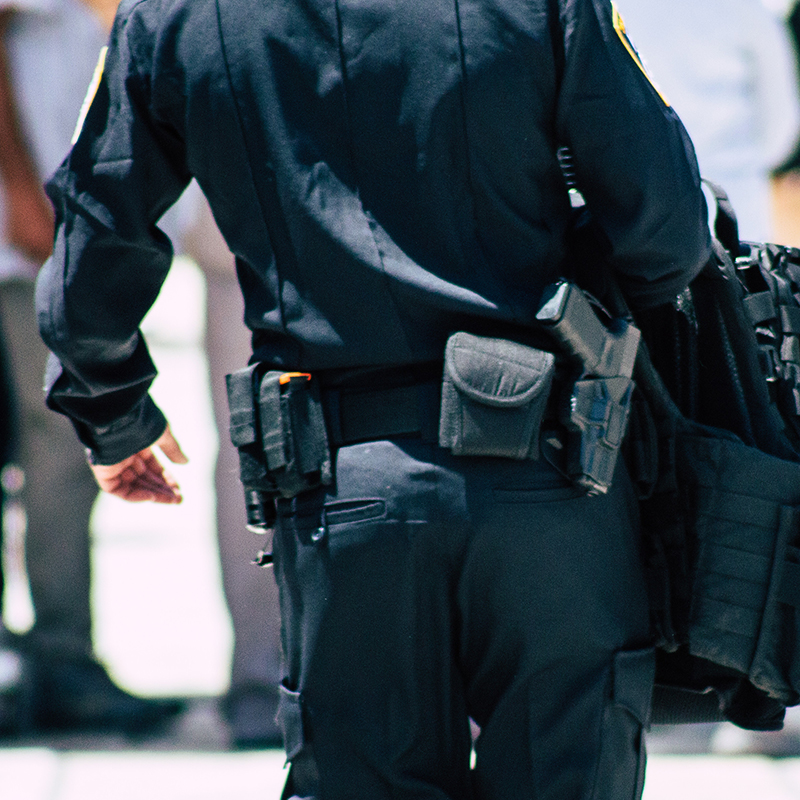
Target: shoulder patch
{"points": [[90, 93], [619, 27]]}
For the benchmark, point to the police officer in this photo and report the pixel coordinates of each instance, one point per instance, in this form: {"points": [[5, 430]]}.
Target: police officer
{"points": [[385, 173]]}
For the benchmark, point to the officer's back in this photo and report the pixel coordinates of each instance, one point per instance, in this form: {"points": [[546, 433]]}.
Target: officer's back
{"points": [[401, 160]]}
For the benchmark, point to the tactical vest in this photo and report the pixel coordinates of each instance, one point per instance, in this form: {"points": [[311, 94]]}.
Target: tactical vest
{"points": [[715, 446]]}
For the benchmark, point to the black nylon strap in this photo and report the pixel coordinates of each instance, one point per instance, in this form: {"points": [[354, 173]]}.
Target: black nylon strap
{"points": [[789, 592], [760, 307], [361, 415], [726, 226]]}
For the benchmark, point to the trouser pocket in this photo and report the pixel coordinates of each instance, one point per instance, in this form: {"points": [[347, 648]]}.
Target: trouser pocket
{"points": [[621, 767]]}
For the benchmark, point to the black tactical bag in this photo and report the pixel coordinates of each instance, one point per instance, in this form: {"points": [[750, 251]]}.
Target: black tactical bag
{"points": [[715, 447]]}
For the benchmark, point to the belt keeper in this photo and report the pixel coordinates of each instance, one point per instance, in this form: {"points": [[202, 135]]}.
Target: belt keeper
{"points": [[331, 409], [430, 399]]}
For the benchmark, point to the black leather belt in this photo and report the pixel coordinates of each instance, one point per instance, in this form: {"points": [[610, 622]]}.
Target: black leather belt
{"points": [[367, 414]]}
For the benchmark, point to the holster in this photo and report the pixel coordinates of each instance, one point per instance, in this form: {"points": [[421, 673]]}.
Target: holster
{"points": [[495, 392]]}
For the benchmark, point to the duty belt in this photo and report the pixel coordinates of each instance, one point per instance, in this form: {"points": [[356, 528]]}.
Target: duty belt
{"points": [[355, 415]]}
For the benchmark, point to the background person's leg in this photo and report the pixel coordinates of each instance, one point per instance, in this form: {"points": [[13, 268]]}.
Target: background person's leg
{"points": [[71, 689], [250, 592]]}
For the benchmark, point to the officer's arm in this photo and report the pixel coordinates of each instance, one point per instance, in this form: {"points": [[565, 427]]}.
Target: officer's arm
{"points": [[110, 259], [633, 160]]}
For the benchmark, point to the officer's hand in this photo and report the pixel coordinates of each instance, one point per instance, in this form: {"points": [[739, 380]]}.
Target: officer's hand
{"points": [[141, 477]]}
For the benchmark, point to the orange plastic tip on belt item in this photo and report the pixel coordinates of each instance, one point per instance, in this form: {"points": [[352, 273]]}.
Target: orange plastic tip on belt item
{"points": [[287, 377]]}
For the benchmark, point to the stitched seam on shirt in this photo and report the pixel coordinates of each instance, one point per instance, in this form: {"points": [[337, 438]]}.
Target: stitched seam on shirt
{"points": [[370, 220], [264, 211]]}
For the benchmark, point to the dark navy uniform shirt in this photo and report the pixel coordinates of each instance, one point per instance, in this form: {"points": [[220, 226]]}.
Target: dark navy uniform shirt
{"points": [[384, 171]]}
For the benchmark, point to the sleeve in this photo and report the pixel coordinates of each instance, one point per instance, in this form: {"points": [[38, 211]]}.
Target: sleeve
{"points": [[633, 160], [126, 167]]}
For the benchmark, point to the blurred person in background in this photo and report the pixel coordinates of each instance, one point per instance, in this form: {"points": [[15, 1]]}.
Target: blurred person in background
{"points": [[786, 181], [251, 702], [49, 50], [9, 662], [728, 69], [48, 53]]}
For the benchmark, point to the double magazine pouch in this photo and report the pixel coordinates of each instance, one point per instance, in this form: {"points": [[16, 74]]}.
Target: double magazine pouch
{"points": [[244, 427], [277, 425], [494, 396]]}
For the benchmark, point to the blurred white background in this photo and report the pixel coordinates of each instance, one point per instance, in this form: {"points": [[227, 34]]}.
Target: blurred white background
{"points": [[161, 624]]}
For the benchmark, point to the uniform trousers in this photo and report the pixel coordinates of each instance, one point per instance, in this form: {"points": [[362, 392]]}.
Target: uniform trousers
{"points": [[422, 590]]}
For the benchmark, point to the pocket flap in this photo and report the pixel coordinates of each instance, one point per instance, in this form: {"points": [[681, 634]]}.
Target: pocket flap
{"points": [[634, 675], [290, 719], [497, 372]]}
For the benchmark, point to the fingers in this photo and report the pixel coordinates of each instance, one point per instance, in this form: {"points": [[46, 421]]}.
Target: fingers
{"points": [[147, 479], [170, 447], [141, 477], [137, 479]]}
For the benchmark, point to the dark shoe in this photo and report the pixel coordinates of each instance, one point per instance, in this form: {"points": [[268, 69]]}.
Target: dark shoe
{"points": [[250, 712], [77, 694]]}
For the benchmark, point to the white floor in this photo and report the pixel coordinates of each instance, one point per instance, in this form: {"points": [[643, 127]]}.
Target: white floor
{"points": [[46, 774]]}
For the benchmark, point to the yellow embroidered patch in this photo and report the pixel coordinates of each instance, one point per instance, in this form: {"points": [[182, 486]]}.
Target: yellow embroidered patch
{"points": [[90, 93], [619, 27]]}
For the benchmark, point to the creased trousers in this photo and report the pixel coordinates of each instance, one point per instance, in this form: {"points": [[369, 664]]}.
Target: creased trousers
{"points": [[423, 590]]}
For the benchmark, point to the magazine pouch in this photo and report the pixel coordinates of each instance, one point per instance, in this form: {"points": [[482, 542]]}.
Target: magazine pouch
{"points": [[278, 427], [242, 387], [293, 434]]}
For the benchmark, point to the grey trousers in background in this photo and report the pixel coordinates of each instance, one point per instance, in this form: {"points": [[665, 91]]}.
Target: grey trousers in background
{"points": [[250, 591], [59, 490]]}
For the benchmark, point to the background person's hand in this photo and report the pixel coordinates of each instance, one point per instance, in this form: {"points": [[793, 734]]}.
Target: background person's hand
{"points": [[141, 477], [30, 220]]}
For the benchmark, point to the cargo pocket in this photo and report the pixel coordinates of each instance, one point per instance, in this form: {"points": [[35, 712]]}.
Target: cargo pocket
{"points": [[290, 719], [621, 766]]}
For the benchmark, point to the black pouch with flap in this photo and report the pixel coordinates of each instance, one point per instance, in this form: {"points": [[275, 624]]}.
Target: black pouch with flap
{"points": [[494, 396]]}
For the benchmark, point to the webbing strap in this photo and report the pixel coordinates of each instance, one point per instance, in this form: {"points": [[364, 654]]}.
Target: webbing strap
{"points": [[726, 226], [371, 414], [240, 401], [790, 584], [272, 435], [790, 319]]}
